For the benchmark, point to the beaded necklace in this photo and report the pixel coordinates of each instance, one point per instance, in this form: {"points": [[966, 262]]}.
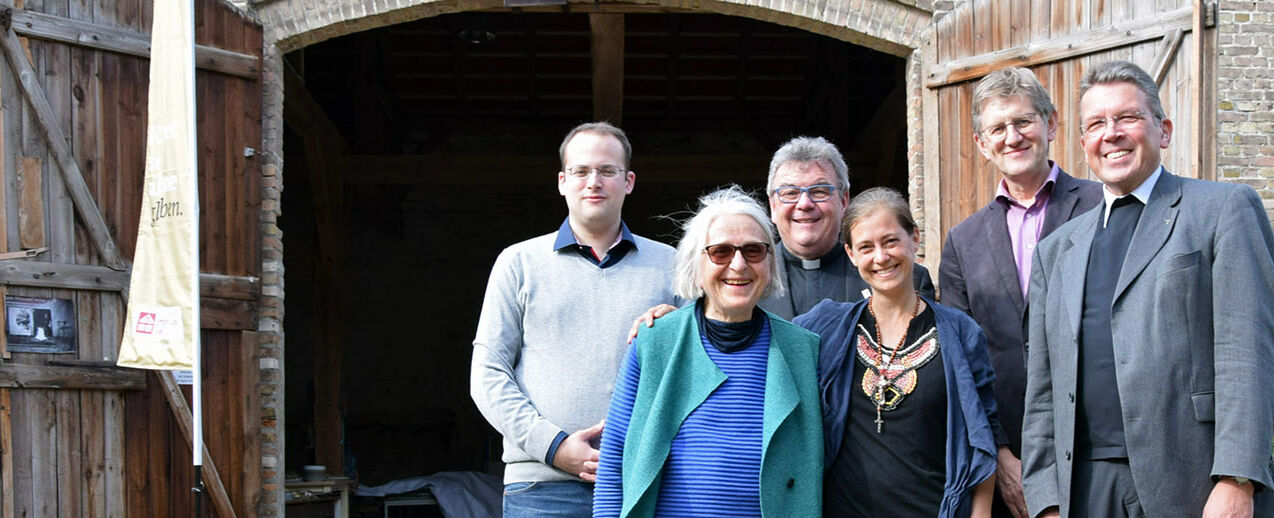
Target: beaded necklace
{"points": [[878, 396]]}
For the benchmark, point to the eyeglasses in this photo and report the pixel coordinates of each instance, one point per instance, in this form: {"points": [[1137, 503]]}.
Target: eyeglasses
{"points": [[582, 171], [817, 193], [1123, 122], [1022, 125], [724, 254]]}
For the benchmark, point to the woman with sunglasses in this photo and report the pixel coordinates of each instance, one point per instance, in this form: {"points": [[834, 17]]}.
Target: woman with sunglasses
{"points": [[716, 410], [905, 383]]}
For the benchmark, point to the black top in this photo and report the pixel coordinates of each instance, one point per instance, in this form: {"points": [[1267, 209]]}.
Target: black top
{"points": [[901, 470], [1099, 421], [729, 337]]}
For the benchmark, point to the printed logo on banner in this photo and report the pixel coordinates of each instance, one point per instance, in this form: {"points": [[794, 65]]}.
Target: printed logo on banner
{"points": [[162, 323], [145, 323]]}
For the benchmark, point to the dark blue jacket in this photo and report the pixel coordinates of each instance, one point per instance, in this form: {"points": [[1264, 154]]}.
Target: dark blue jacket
{"points": [[971, 420]]}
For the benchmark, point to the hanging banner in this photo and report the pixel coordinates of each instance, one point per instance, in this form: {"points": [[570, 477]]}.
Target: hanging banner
{"points": [[163, 305]]}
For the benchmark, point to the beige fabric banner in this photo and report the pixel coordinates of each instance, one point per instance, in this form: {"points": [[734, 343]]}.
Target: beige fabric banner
{"points": [[163, 306]]}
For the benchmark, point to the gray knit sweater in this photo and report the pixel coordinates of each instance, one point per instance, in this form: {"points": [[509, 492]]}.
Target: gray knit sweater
{"points": [[551, 340]]}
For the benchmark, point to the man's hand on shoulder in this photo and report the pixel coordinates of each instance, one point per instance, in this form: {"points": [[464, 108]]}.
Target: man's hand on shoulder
{"points": [[578, 454], [648, 318], [1229, 499]]}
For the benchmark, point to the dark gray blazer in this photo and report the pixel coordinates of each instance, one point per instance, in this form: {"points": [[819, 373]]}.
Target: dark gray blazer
{"points": [[979, 276], [1193, 327]]}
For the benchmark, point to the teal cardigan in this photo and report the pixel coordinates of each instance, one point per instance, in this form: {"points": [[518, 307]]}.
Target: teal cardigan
{"points": [[677, 376]]}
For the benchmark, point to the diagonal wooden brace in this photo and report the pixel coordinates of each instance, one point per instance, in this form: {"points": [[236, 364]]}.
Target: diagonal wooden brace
{"points": [[61, 151]]}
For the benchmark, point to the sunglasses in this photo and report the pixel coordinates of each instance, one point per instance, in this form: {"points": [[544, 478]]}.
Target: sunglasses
{"points": [[723, 253]]}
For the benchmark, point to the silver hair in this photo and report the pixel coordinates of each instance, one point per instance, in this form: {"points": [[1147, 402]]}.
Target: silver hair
{"points": [[815, 150], [727, 201], [1124, 72], [603, 128], [1009, 82]]}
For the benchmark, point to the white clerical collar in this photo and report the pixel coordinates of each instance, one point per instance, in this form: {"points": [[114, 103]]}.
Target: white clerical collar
{"points": [[811, 265], [1142, 193]]}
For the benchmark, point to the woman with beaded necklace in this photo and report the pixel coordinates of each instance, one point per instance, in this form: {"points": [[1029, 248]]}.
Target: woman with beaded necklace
{"points": [[908, 412]]}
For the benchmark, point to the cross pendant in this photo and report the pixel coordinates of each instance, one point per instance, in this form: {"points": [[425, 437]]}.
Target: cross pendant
{"points": [[879, 421]]}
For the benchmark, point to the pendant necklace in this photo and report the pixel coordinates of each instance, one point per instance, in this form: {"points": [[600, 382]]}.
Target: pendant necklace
{"points": [[878, 396]]}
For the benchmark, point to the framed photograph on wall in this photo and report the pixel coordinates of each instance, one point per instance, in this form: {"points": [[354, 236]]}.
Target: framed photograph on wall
{"points": [[39, 325]]}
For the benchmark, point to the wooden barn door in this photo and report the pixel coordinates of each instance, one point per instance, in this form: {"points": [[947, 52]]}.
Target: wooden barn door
{"points": [[78, 436], [1059, 41]]}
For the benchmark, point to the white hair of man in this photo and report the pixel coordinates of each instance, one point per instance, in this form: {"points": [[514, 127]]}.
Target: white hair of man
{"points": [[727, 201]]}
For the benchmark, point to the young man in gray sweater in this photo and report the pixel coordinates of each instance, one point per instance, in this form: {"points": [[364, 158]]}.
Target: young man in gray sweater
{"points": [[551, 335]]}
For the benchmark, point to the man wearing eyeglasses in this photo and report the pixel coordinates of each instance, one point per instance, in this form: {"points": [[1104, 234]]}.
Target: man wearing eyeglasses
{"points": [[986, 261], [550, 336], [1148, 389], [808, 186]]}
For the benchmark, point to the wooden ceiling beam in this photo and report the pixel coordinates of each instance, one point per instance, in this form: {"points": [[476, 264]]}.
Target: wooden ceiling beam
{"points": [[470, 169], [607, 37]]}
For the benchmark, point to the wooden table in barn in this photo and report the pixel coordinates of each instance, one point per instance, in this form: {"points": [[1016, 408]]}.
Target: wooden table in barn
{"points": [[303, 495]]}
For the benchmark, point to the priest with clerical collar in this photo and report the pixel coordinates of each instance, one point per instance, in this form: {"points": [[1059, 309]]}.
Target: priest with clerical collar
{"points": [[808, 188]]}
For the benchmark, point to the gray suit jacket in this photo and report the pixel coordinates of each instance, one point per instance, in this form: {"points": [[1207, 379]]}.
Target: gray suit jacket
{"points": [[979, 276], [1193, 329]]}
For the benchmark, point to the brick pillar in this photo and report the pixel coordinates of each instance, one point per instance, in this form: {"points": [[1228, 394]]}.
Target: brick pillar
{"points": [[1245, 96], [270, 323]]}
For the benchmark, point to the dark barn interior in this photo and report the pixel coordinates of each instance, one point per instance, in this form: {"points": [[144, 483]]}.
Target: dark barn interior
{"points": [[439, 149]]}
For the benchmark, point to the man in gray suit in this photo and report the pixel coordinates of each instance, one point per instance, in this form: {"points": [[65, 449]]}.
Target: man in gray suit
{"points": [[986, 261], [1151, 332]]}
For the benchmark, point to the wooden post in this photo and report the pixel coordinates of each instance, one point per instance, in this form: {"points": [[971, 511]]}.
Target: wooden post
{"points": [[608, 66]]}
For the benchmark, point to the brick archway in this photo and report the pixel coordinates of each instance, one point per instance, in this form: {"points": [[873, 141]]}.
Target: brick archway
{"points": [[896, 27], [890, 26]]}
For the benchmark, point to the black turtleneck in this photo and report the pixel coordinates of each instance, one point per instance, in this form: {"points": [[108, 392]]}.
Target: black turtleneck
{"points": [[729, 337]]}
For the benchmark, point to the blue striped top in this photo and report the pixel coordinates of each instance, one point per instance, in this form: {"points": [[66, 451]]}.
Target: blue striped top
{"points": [[714, 462]]}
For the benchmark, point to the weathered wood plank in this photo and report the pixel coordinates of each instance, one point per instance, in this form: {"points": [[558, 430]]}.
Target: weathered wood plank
{"points": [[4, 341], [65, 276], [227, 314], [1163, 59], [30, 202], [70, 453], [100, 278], [1058, 48], [250, 424], [23, 498], [85, 206], [113, 456], [14, 375], [6, 456], [181, 410], [44, 451], [607, 40], [54, 73], [216, 285], [76, 32]]}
